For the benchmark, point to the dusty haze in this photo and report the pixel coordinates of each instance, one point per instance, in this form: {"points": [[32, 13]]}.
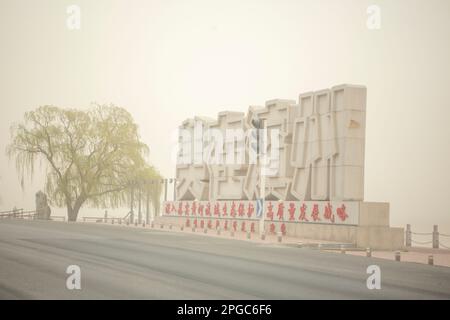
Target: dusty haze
{"points": [[169, 60]]}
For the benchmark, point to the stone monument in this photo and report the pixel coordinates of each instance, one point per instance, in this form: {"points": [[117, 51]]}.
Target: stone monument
{"points": [[43, 210], [295, 167]]}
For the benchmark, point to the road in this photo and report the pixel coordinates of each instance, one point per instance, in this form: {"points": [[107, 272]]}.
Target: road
{"points": [[119, 262]]}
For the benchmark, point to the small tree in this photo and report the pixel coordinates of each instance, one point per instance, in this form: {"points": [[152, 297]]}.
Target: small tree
{"points": [[89, 156]]}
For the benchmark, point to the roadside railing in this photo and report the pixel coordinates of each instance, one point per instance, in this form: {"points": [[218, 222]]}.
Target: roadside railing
{"points": [[22, 214], [435, 241], [103, 220], [17, 214], [58, 218]]}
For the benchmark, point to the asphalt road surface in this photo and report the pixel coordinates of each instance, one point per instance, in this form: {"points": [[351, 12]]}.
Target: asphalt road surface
{"points": [[120, 262]]}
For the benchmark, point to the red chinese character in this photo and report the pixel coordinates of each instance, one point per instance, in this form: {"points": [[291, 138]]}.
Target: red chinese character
{"points": [[209, 224], [241, 209], [224, 210], [328, 215], [270, 211], [208, 209], [194, 208], [315, 212], [252, 227], [200, 209], [225, 226], [195, 223], [233, 210], [250, 210], [291, 211], [280, 211], [243, 226], [173, 209], [341, 213], [167, 208], [303, 213], [217, 209], [180, 208], [272, 228], [283, 229], [217, 224], [202, 224], [186, 208], [234, 225]]}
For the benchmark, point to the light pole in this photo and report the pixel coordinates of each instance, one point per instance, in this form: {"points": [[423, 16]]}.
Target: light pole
{"points": [[258, 147]]}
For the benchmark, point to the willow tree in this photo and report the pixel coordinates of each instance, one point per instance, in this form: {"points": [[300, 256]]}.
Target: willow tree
{"points": [[151, 184], [90, 156]]}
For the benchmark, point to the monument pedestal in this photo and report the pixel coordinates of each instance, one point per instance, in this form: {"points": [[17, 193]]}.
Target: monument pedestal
{"points": [[362, 224]]}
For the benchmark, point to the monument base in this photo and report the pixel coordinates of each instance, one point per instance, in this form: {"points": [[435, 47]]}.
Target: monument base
{"points": [[367, 226]]}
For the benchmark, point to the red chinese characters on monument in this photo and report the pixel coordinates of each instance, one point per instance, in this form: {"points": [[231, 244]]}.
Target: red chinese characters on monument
{"points": [[291, 211], [341, 213], [224, 210], [200, 209], [315, 212], [270, 211], [250, 210], [283, 229], [272, 228], [194, 208], [233, 210], [302, 216], [280, 211], [216, 209], [328, 214], [186, 208], [241, 211], [308, 211]]}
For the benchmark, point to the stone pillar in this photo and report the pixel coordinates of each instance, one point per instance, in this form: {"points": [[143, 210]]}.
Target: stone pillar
{"points": [[435, 237], [43, 210], [408, 236]]}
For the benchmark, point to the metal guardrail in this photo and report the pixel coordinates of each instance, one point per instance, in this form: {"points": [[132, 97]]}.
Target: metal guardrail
{"points": [[435, 238], [17, 213], [103, 220], [21, 214]]}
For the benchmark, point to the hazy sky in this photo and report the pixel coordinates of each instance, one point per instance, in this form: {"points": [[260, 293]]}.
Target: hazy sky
{"points": [[166, 61]]}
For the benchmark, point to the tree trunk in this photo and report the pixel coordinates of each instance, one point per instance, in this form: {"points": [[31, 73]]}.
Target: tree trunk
{"points": [[71, 215], [72, 212]]}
